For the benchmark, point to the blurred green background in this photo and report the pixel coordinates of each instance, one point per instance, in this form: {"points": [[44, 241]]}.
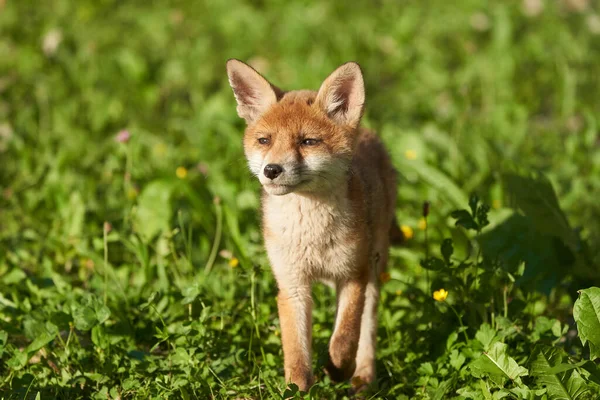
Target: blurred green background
{"points": [[460, 92]]}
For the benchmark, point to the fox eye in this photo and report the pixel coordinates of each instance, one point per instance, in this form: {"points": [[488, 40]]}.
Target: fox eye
{"points": [[310, 142], [263, 140]]}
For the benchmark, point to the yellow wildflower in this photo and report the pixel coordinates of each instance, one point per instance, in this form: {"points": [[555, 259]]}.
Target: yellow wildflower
{"points": [[398, 292], [407, 231], [496, 204], [422, 224], [385, 277], [440, 295], [410, 154], [233, 262], [181, 172]]}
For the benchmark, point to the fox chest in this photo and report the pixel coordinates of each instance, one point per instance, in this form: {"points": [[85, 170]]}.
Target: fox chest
{"points": [[310, 243]]}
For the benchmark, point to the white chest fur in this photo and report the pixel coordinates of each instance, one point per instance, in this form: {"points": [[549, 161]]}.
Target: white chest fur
{"points": [[309, 239]]}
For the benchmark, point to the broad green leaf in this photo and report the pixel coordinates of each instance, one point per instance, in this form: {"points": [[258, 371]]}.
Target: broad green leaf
{"points": [[486, 335], [534, 194], [470, 393], [457, 359], [16, 275], [433, 264], [527, 394], [84, 317], [447, 249], [18, 360], [426, 369], [515, 240], [153, 214], [102, 312], [464, 219], [500, 394], [442, 390], [99, 337], [593, 371], [586, 312], [498, 365], [566, 384], [41, 341], [90, 312]]}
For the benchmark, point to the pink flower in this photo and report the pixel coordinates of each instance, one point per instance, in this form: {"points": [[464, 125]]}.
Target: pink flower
{"points": [[123, 136]]}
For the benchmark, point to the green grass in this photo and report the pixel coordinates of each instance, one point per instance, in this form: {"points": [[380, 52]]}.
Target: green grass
{"points": [[468, 96]]}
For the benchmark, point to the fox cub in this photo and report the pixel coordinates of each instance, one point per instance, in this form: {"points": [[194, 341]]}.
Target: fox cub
{"points": [[329, 192]]}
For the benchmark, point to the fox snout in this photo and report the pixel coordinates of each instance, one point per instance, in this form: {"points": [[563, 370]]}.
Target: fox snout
{"points": [[280, 178], [272, 171]]}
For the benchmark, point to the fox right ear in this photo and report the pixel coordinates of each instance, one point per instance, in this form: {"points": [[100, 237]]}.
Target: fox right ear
{"points": [[342, 95], [253, 93]]}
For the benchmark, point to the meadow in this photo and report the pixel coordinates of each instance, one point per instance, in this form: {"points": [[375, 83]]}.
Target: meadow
{"points": [[131, 258]]}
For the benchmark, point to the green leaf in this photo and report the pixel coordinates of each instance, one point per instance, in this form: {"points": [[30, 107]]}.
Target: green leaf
{"points": [[153, 214], [90, 312], [426, 369], [498, 365], [567, 385], [473, 200], [457, 359], [534, 194], [290, 391], [526, 393], [102, 313], [586, 312], [433, 264], [16, 275], [18, 360], [447, 250], [464, 219], [43, 339], [486, 335], [84, 317]]}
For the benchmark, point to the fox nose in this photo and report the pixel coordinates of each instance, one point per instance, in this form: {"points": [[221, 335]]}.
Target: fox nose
{"points": [[272, 171]]}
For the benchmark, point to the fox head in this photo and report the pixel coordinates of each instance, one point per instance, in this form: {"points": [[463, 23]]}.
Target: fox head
{"points": [[299, 141]]}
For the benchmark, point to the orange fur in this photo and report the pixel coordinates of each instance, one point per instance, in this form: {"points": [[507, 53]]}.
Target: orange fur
{"points": [[329, 192]]}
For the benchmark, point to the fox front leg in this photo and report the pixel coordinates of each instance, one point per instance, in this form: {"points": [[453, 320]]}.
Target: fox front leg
{"points": [[295, 316], [344, 341]]}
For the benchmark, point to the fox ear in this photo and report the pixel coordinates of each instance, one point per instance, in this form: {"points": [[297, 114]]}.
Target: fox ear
{"points": [[253, 93], [342, 95]]}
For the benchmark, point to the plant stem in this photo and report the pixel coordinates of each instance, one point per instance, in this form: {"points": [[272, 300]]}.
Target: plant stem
{"points": [[105, 241], [427, 255], [217, 241], [504, 295], [464, 330]]}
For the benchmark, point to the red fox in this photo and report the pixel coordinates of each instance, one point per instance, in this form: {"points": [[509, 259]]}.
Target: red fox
{"points": [[328, 200]]}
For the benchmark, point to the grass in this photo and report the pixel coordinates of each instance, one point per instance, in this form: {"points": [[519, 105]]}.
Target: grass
{"points": [[131, 265]]}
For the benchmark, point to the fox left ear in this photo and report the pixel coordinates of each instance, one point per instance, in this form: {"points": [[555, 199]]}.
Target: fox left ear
{"points": [[342, 95], [253, 93]]}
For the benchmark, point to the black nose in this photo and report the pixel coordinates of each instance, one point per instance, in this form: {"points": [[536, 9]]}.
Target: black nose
{"points": [[272, 171]]}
